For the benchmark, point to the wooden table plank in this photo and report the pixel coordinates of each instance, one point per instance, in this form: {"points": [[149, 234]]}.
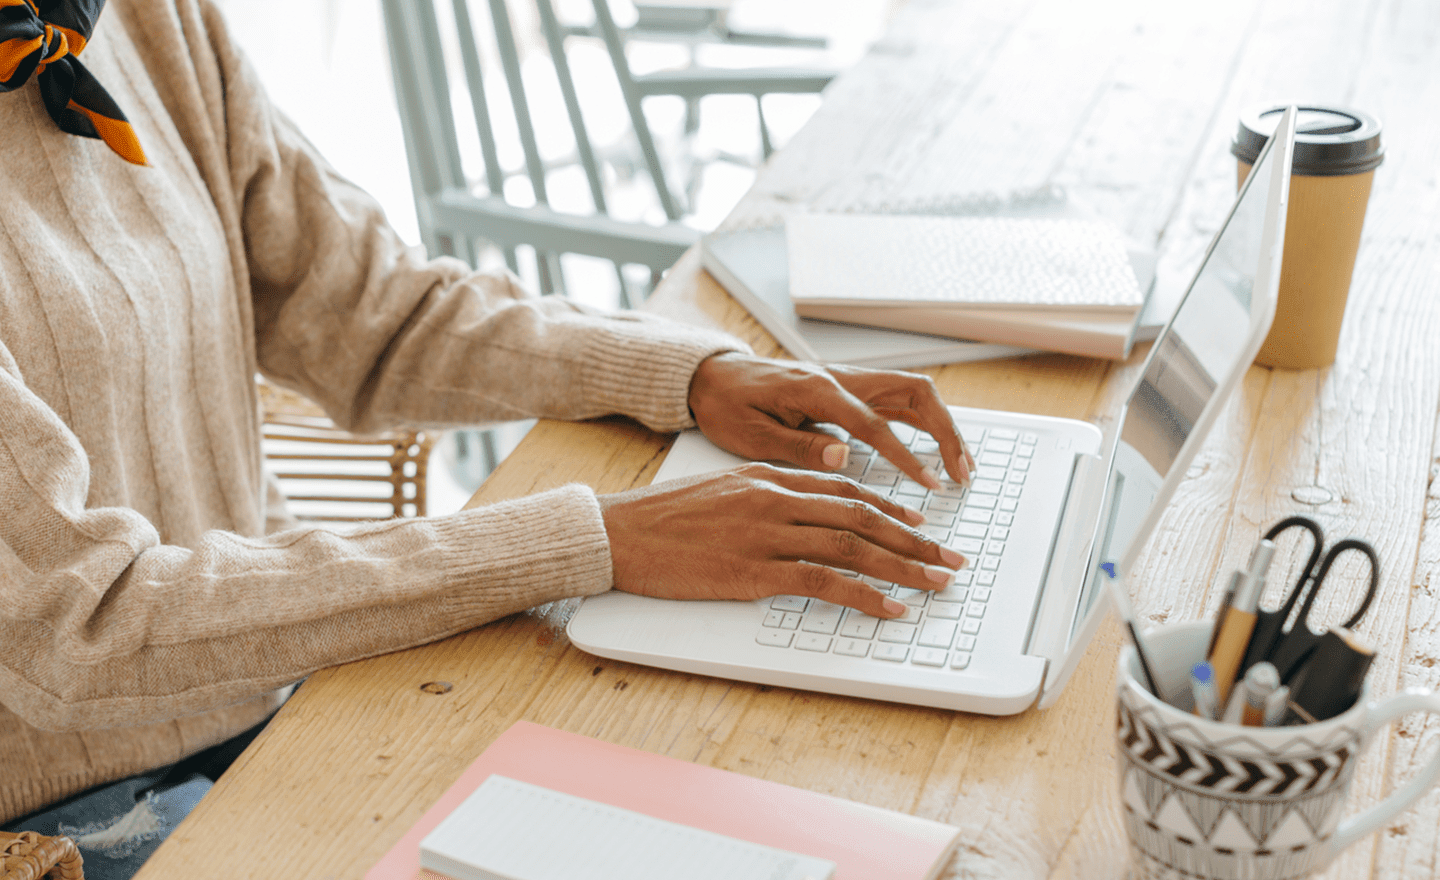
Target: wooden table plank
{"points": [[953, 100]]}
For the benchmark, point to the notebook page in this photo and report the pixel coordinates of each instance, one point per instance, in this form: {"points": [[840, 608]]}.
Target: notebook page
{"points": [[509, 830]]}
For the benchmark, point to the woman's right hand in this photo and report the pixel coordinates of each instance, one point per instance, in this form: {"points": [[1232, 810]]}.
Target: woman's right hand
{"points": [[743, 533]]}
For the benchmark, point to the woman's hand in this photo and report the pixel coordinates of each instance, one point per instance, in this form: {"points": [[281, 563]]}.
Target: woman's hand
{"points": [[762, 408], [742, 534]]}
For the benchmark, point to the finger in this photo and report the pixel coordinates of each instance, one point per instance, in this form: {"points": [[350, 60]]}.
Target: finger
{"points": [[855, 516], [828, 585], [912, 398], [850, 551], [806, 483], [851, 413]]}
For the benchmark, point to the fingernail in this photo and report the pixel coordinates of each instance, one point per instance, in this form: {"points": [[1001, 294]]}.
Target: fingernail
{"points": [[929, 478], [914, 514], [836, 455], [953, 558], [892, 606], [940, 575]]}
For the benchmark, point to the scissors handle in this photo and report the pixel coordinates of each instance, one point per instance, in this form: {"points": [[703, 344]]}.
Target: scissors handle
{"points": [[1299, 643], [1270, 625]]}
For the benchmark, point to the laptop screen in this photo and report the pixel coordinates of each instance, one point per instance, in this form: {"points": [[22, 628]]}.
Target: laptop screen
{"points": [[1210, 339]]}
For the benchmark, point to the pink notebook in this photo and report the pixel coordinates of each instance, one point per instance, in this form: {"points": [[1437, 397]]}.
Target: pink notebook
{"points": [[865, 842]]}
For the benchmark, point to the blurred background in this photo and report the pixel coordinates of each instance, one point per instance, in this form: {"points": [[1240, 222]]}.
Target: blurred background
{"points": [[325, 63]]}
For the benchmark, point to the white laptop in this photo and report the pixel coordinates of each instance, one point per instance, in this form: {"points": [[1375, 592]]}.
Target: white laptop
{"points": [[1056, 506]]}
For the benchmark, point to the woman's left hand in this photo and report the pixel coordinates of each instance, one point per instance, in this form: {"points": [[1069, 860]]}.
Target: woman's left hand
{"points": [[764, 409]]}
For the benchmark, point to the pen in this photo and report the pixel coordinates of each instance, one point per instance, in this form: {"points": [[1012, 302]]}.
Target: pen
{"points": [[1261, 680], [1276, 704], [1127, 617], [1237, 621], [1224, 606], [1202, 688]]}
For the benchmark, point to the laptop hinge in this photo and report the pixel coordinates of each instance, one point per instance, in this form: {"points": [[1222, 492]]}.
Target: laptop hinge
{"points": [[1069, 559]]}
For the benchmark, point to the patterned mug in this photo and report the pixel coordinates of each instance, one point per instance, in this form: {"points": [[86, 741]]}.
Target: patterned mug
{"points": [[1203, 799]]}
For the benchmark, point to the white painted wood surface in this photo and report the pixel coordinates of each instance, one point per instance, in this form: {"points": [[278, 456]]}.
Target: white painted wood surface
{"points": [[1129, 106]]}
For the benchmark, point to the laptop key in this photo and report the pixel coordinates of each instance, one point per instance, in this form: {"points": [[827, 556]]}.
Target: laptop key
{"points": [[852, 647], [821, 622], [960, 659], [937, 633], [893, 653], [953, 593], [946, 610], [896, 632], [812, 642], [789, 603], [912, 597], [859, 626], [930, 657], [940, 503], [776, 638]]}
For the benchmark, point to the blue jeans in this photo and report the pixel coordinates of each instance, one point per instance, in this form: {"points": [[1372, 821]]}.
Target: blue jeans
{"points": [[118, 826]]}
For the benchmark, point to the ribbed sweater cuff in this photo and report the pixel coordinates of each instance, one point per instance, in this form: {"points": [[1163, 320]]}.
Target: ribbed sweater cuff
{"points": [[520, 553], [632, 369]]}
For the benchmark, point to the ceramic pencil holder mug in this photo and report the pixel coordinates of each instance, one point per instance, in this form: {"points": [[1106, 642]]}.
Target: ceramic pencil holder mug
{"points": [[1205, 799]]}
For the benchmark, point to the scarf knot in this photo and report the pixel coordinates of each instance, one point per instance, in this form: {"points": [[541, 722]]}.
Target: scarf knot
{"points": [[44, 38]]}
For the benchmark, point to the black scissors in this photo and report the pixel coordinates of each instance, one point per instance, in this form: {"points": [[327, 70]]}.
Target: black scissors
{"points": [[1288, 649]]}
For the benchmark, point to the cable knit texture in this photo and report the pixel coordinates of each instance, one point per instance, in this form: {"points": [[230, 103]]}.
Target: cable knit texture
{"points": [[144, 612]]}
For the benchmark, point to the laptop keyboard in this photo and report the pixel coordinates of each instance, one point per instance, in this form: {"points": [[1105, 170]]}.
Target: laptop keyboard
{"points": [[939, 629]]}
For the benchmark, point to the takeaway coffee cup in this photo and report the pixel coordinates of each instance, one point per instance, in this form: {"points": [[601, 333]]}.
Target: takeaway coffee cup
{"points": [[1204, 800], [1336, 153]]}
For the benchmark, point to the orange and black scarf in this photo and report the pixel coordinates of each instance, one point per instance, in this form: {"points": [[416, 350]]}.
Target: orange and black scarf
{"points": [[45, 37]]}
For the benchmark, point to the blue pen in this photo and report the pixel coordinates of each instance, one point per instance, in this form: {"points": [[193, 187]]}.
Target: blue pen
{"points": [[1202, 687]]}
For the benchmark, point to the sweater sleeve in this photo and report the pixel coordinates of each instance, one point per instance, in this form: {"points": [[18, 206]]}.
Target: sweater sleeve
{"points": [[102, 624], [379, 335]]}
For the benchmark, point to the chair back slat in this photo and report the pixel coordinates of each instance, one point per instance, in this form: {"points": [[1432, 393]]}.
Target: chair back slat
{"points": [[616, 47], [479, 104], [519, 101], [555, 41], [431, 147]]}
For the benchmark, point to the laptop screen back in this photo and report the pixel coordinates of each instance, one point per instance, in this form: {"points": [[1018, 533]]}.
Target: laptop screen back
{"points": [[1196, 360]]}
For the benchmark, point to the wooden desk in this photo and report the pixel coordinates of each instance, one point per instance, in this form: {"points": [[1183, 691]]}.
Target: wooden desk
{"points": [[1130, 106]]}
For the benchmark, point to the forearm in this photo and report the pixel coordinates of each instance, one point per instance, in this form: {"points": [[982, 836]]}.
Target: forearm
{"points": [[98, 641]]}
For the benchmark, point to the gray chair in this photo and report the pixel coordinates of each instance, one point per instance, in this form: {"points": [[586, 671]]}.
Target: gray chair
{"points": [[691, 83], [454, 219], [460, 217]]}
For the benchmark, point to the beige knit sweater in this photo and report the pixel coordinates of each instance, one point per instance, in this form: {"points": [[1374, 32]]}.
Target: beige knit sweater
{"points": [[143, 613]]}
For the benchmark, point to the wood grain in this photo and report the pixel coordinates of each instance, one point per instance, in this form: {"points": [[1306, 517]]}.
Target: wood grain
{"points": [[1128, 107]]}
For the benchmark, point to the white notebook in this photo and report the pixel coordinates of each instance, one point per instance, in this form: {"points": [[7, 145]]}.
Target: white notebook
{"points": [[753, 267], [510, 830], [968, 262]]}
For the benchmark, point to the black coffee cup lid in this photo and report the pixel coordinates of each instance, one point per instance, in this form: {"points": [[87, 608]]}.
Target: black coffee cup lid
{"points": [[1329, 141]]}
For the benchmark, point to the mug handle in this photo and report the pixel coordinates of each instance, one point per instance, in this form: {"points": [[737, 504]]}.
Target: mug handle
{"points": [[1356, 827]]}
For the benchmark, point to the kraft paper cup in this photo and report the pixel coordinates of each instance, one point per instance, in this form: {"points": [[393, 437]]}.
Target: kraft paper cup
{"points": [[1204, 800], [1336, 153]]}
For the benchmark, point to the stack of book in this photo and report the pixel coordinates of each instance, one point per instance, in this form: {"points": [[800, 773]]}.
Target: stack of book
{"points": [[895, 290]]}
